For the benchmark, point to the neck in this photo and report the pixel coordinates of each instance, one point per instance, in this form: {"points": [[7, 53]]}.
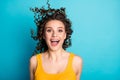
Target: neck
{"points": [[55, 55]]}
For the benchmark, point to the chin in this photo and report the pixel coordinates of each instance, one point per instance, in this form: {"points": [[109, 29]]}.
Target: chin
{"points": [[55, 48]]}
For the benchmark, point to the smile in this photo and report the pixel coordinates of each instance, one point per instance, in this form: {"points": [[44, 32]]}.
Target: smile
{"points": [[54, 42]]}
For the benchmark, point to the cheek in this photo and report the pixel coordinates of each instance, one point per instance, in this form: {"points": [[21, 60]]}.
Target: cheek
{"points": [[46, 36], [64, 36]]}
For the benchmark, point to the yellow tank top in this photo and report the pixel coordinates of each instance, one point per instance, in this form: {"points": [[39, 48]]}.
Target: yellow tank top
{"points": [[67, 74]]}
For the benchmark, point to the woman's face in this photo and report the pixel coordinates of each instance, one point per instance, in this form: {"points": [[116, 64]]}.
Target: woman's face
{"points": [[54, 34]]}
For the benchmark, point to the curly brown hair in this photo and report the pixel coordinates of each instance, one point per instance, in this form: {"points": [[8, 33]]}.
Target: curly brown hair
{"points": [[41, 17]]}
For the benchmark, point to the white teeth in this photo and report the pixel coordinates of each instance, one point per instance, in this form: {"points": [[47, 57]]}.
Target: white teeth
{"points": [[54, 40]]}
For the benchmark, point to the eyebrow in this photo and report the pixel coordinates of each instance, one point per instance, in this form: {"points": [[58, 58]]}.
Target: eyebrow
{"points": [[51, 27], [60, 27], [47, 27]]}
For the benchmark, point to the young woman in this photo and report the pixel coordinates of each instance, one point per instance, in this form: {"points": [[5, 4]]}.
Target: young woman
{"points": [[54, 62]]}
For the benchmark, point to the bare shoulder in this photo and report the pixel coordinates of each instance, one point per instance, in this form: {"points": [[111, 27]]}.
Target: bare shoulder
{"points": [[77, 64], [33, 62], [33, 59], [77, 60]]}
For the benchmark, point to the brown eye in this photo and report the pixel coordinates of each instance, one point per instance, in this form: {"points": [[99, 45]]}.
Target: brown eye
{"points": [[49, 30], [60, 30]]}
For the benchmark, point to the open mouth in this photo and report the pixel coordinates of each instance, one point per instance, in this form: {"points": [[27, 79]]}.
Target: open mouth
{"points": [[54, 42]]}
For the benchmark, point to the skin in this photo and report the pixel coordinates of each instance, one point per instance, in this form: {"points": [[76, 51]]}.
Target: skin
{"points": [[55, 57]]}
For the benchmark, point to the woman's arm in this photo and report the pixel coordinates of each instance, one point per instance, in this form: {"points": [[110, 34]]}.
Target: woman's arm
{"points": [[77, 66], [32, 67]]}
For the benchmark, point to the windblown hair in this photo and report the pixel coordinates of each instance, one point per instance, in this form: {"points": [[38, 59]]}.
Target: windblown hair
{"points": [[41, 17]]}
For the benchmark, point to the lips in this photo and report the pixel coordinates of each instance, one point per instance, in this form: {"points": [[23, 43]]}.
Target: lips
{"points": [[54, 42]]}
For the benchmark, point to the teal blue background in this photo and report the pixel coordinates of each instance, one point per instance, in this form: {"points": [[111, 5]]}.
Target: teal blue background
{"points": [[96, 37]]}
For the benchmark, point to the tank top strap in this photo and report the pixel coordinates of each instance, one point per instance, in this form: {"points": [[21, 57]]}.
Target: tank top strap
{"points": [[69, 67], [38, 56], [39, 63], [39, 59]]}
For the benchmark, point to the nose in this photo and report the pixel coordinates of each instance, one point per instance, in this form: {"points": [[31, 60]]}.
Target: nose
{"points": [[54, 34]]}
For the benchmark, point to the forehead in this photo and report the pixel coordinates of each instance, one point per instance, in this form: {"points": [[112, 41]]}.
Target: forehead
{"points": [[54, 24]]}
